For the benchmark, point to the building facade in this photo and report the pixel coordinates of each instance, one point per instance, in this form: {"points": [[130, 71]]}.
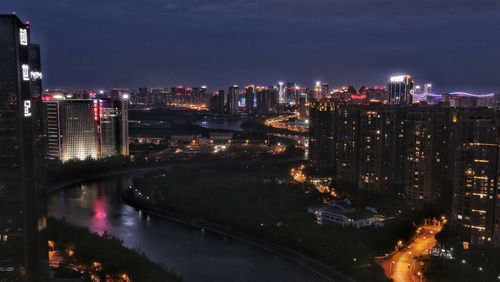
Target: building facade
{"points": [[232, 100], [86, 128], [23, 246], [321, 136], [400, 90], [476, 186]]}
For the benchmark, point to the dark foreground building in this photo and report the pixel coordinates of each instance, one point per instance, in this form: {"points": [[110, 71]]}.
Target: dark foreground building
{"points": [[321, 136], [476, 185], [23, 254]]}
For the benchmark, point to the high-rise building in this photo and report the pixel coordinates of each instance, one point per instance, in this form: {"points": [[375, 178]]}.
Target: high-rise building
{"points": [[428, 129], [302, 106], [476, 186], [321, 136], [217, 103], [382, 147], [427, 88], [199, 96], [250, 99], [347, 130], [86, 128], [267, 100], [291, 93], [400, 90], [140, 96], [232, 100], [281, 91], [23, 247], [317, 91]]}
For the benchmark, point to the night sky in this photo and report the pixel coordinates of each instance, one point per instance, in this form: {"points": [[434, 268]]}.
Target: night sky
{"points": [[455, 44]]}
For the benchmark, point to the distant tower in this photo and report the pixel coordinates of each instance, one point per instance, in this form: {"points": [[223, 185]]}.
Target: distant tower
{"points": [[317, 91], [232, 100], [281, 92], [249, 99], [400, 90], [428, 88]]}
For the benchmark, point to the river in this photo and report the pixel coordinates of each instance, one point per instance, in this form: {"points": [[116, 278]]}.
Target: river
{"points": [[194, 254], [226, 124]]}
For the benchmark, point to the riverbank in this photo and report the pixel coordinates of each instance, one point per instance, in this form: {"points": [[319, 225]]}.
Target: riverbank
{"points": [[76, 252], [312, 265], [261, 201], [190, 252]]}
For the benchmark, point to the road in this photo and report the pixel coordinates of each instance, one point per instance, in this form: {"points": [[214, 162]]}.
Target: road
{"points": [[403, 265]]}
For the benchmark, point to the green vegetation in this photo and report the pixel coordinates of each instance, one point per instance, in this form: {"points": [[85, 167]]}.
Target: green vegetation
{"points": [[108, 251], [74, 169], [473, 264], [259, 200]]}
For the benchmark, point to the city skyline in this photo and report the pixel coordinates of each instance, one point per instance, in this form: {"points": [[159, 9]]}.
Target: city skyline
{"points": [[118, 44], [147, 142]]}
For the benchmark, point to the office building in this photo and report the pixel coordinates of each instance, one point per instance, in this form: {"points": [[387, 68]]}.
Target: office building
{"points": [[86, 128], [400, 90], [23, 246]]}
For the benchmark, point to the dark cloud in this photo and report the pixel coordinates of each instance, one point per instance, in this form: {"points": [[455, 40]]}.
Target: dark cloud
{"points": [[94, 43]]}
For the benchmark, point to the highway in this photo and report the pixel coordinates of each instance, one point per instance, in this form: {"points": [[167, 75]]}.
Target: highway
{"points": [[403, 265]]}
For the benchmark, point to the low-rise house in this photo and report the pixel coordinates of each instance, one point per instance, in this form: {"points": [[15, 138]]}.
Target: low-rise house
{"points": [[342, 213]]}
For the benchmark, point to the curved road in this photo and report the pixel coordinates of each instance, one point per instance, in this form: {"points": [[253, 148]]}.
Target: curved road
{"points": [[403, 265]]}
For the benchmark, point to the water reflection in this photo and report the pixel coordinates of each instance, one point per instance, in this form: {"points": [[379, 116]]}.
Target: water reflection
{"points": [[195, 254], [221, 124]]}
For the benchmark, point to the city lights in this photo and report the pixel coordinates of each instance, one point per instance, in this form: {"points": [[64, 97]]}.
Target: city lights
{"points": [[343, 165]]}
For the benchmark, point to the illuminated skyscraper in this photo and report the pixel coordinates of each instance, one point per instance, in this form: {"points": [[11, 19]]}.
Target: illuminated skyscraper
{"points": [[281, 89], [23, 248], [400, 90], [86, 128], [317, 91]]}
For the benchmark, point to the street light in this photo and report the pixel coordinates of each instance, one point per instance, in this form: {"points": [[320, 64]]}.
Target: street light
{"points": [[421, 276], [390, 268]]}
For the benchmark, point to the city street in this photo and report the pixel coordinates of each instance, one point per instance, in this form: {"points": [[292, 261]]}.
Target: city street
{"points": [[403, 265]]}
